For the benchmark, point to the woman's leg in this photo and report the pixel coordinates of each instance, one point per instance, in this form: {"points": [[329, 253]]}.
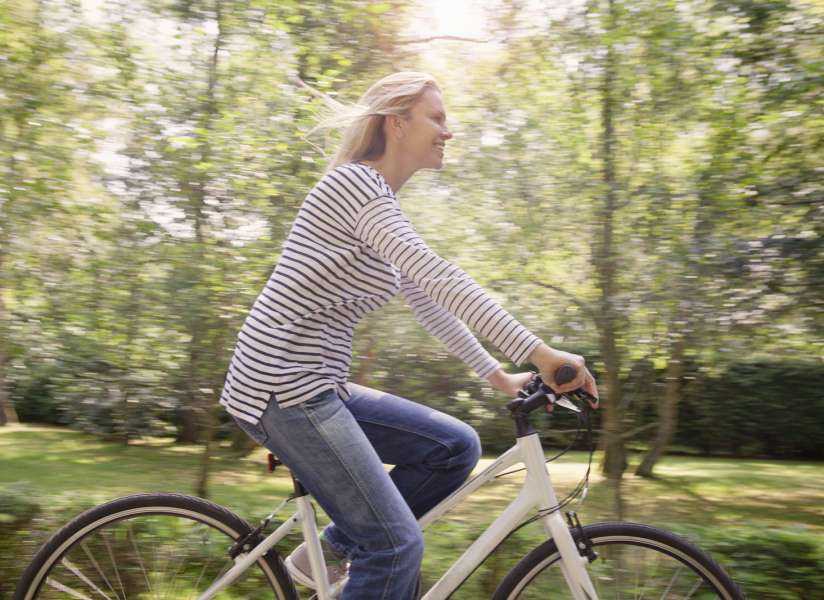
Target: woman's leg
{"points": [[322, 444], [433, 453]]}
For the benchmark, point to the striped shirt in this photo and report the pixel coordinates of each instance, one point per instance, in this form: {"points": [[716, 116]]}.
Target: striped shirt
{"points": [[348, 252]]}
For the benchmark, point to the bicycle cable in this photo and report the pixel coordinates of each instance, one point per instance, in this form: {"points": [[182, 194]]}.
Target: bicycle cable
{"points": [[575, 440], [582, 488]]}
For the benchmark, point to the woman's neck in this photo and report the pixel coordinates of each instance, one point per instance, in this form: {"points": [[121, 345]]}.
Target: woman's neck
{"points": [[393, 170]]}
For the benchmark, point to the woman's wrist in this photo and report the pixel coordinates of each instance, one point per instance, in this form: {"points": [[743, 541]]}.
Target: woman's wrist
{"points": [[496, 377], [540, 354]]}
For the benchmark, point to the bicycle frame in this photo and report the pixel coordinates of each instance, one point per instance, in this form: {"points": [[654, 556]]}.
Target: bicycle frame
{"points": [[536, 493]]}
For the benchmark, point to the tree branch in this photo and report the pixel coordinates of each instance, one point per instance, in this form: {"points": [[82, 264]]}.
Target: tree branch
{"points": [[577, 301]]}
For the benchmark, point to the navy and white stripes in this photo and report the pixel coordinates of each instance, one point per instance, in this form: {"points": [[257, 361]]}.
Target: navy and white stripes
{"points": [[349, 251]]}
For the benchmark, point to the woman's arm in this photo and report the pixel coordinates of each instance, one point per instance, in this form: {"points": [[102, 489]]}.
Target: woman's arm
{"points": [[448, 329], [384, 228]]}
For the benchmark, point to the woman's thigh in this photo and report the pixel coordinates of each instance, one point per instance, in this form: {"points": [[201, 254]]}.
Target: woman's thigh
{"points": [[405, 432], [321, 443]]}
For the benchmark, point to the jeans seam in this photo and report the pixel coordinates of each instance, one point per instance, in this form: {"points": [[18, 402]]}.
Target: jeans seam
{"points": [[319, 427], [395, 558]]}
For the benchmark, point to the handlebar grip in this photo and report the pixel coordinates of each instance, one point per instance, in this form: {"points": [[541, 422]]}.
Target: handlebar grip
{"points": [[565, 374], [534, 393]]}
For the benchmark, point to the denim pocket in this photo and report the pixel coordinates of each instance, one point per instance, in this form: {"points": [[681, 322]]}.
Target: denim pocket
{"points": [[321, 399], [321, 403]]}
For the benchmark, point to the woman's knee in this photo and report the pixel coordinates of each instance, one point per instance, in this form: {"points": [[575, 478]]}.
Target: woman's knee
{"points": [[468, 448], [410, 546]]}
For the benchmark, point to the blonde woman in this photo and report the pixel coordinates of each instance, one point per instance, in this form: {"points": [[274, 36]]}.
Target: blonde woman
{"points": [[350, 250]]}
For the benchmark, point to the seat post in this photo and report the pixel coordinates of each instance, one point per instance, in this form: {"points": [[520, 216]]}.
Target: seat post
{"points": [[300, 491]]}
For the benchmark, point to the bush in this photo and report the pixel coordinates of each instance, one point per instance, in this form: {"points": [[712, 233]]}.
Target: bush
{"points": [[756, 408], [25, 527], [771, 564], [17, 517]]}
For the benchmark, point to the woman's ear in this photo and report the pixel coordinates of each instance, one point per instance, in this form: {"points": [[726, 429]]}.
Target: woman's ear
{"points": [[395, 125]]}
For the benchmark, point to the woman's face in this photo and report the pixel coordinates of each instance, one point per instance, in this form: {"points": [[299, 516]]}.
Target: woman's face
{"points": [[425, 131]]}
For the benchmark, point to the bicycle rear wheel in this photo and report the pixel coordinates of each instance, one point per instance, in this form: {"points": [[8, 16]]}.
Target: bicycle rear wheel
{"points": [[149, 546], [634, 561]]}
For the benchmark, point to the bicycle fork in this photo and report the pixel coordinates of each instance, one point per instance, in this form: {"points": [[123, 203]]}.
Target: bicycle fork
{"points": [[573, 565]]}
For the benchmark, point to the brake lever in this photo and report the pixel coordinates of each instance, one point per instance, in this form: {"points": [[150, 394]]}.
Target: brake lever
{"points": [[583, 395], [590, 398], [564, 401]]}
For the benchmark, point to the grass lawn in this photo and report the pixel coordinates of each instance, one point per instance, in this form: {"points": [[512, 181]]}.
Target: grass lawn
{"points": [[62, 468]]}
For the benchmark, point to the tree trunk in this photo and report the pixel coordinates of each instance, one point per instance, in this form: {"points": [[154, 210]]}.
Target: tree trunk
{"points": [[688, 318], [207, 426], [614, 462], [206, 417], [667, 409]]}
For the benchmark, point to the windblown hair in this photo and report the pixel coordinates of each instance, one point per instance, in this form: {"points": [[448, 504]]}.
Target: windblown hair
{"points": [[363, 135]]}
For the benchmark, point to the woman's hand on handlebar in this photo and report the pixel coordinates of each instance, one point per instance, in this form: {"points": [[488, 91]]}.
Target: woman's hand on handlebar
{"points": [[549, 360]]}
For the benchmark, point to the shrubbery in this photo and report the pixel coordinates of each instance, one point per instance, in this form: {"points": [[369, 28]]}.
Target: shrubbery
{"points": [[770, 564], [767, 409], [772, 409]]}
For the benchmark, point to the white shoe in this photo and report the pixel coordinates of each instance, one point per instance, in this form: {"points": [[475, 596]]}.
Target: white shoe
{"points": [[297, 563]]}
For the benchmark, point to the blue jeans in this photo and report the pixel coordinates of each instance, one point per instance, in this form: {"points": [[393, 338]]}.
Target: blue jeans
{"points": [[337, 450]]}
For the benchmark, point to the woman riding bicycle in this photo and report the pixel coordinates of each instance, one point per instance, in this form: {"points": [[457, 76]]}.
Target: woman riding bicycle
{"points": [[349, 251]]}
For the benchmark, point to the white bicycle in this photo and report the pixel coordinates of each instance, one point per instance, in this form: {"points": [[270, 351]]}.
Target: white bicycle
{"points": [[170, 546]]}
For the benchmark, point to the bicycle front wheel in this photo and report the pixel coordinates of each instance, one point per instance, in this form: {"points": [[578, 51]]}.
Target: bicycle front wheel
{"points": [[634, 561], [150, 546]]}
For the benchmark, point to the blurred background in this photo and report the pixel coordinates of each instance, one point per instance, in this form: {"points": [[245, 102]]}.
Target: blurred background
{"points": [[638, 181]]}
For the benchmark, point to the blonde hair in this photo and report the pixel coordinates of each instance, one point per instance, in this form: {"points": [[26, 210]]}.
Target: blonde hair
{"points": [[362, 123]]}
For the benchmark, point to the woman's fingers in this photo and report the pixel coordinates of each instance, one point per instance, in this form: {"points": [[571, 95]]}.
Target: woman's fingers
{"points": [[583, 380], [577, 383], [590, 386]]}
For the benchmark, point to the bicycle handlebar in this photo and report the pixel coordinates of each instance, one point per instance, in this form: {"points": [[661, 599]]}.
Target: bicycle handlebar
{"points": [[536, 393]]}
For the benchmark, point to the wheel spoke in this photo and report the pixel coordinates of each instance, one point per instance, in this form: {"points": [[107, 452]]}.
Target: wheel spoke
{"points": [[202, 571], [66, 589], [114, 563], [635, 562], [672, 582], [139, 557], [694, 588], [149, 547], [74, 569], [174, 579], [97, 566]]}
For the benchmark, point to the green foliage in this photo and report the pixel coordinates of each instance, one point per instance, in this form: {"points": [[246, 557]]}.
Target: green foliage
{"points": [[770, 563], [764, 408], [18, 514]]}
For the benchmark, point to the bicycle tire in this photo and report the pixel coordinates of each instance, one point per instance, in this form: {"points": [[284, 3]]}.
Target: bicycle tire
{"points": [[65, 566], [679, 569]]}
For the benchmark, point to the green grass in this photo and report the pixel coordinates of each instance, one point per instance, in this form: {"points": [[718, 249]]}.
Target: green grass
{"points": [[64, 470]]}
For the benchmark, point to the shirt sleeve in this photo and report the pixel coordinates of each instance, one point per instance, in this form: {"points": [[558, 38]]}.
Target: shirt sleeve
{"points": [[449, 329], [383, 227]]}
